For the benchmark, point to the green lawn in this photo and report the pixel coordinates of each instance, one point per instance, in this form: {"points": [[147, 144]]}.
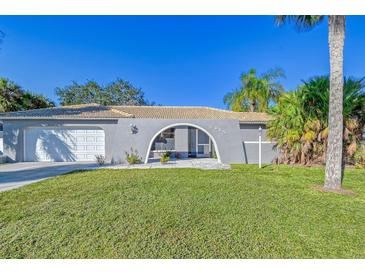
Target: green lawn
{"points": [[184, 213]]}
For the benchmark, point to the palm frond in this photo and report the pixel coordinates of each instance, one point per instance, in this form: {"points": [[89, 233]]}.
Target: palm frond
{"points": [[273, 74], [301, 22]]}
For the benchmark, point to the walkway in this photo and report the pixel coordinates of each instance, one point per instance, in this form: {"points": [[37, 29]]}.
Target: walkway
{"points": [[201, 163]]}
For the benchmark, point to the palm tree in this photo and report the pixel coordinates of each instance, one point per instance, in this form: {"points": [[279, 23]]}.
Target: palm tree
{"points": [[300, 124], [336, 39], [10, 96], [256, 92], [14, 98], [316, 91]]}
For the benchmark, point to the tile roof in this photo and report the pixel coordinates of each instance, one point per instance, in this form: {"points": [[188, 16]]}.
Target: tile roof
{"points": [[171, 112], [95, 111], [85, 111]]}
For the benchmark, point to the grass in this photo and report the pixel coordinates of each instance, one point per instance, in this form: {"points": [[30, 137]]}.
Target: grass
{"points": [[184, 213]]}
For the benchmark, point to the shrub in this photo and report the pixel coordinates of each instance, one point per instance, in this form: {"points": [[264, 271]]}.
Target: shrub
{"points": [[100, 159], [165, 158], [292, 136], [309, 136], [324, 133], [132, 157], [360, 158]]}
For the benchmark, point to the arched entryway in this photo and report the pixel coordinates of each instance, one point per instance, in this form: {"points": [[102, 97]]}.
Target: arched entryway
{"points": [[205, 144]]}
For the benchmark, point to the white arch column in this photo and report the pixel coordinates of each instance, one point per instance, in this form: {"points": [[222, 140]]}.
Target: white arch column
{"points": [[182, 124]]}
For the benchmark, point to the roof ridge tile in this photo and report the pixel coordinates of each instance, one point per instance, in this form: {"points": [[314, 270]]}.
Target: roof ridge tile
{"points": [[121, 112]]}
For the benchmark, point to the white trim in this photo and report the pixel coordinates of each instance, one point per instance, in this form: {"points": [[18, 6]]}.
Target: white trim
{"points": [[182, 124], [24, 146], [196, 142]]}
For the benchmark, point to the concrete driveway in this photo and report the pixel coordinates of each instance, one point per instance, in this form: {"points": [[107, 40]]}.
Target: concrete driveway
{"points": [[19, 174]]}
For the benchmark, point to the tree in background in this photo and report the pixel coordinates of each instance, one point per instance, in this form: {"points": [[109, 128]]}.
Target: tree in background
{"points": [[300, 123], [119, 92], [14, 98], [336, 41], [75, 94], [122, 92], [256, 93]]}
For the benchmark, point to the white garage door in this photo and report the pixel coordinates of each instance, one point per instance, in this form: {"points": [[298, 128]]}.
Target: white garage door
{"points": [[63, 144]]}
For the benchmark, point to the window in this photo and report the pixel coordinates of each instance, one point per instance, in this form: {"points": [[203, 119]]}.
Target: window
{"points": [[1, 127], [168, 133], [203, 138], [165, 141]]}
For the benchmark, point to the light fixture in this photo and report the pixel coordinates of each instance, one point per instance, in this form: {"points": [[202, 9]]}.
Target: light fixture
{"points": [[134, 128]]}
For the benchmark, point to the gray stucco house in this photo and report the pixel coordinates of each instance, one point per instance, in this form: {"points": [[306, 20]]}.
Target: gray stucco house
{"points": [[78, 133]]}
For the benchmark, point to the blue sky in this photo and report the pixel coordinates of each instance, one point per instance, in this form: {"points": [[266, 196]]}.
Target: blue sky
{"points": [[176, 60]]}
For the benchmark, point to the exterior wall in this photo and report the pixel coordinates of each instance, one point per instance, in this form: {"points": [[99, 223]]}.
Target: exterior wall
{"points": [[250, 137], [182, 141], [229, 136], [224, 132]]}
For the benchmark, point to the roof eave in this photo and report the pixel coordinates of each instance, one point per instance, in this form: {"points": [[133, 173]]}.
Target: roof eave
{"points": [[58, 118], [253, 122], [107, 118]]}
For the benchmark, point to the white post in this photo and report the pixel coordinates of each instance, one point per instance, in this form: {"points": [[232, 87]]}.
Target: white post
{"points": [[260, 132]]}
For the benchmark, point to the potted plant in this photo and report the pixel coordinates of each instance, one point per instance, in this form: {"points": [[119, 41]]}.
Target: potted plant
{"points": [[165, 158]]}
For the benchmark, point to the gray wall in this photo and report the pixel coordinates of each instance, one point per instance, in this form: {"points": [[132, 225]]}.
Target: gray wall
{"points": [[250, 137], [228, 134], [251, 153], [182, 141]]}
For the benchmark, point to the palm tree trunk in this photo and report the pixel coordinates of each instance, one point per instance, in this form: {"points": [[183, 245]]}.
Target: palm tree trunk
{"points": [[336, 39]]}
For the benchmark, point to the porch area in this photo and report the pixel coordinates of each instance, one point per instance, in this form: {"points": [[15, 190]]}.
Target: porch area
{"points": [[181, 143]]}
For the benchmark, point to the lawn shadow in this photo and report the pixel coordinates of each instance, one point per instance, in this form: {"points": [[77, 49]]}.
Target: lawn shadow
{"points": [[345, 192]]}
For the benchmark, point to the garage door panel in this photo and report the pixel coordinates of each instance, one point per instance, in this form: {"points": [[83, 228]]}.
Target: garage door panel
{"points": [[90, 139], [63, 145]]}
